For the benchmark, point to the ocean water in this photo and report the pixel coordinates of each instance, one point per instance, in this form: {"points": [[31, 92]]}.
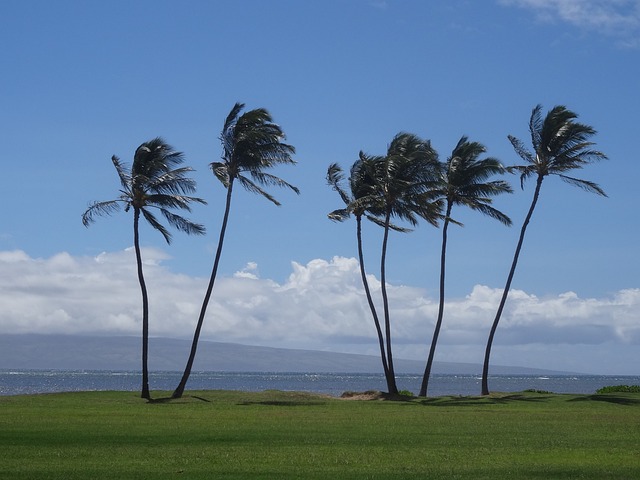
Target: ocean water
{"points": [[17, 382]]}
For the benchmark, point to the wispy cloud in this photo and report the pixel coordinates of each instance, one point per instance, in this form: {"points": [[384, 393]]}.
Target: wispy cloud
{"points": [[381, 4], [320, 306], [618, 19]]}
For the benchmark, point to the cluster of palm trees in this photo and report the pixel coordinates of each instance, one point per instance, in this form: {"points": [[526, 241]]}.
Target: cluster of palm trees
{"points": [[251, 144], [407, 184], [410, 183]]}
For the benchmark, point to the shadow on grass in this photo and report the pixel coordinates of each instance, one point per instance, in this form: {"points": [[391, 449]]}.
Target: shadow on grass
{"points": [[608, 398], [170, 399], [283, 403], [479, 401]]}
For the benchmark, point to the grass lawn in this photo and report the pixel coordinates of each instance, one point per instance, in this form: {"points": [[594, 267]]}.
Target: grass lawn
{"points": [[287, 435]]}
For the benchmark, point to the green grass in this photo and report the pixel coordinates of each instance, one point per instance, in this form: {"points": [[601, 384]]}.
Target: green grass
{"points": [[284, 435]]}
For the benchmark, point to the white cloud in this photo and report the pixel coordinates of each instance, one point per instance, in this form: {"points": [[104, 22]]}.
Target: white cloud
{"points": [[618, 18], [320, 306]]}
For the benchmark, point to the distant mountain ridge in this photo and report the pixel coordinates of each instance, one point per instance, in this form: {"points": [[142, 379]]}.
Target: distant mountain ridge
{"points": [[75, 352]]}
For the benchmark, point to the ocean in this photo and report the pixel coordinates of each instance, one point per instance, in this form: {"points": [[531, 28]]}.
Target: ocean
{"points": [[19, 382]]}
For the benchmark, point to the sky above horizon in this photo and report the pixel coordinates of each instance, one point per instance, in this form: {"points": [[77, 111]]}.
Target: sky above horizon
{"points": [[83, 81]]}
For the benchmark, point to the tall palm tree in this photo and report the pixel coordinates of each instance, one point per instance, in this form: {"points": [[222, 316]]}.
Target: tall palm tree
{"points": [[463, 183], [152, 182], [251, 143], [560, 144], [405, 179], [362, 196]]}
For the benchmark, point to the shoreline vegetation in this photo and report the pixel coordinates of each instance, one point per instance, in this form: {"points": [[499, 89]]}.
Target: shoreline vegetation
{"points": [[286, 435]]}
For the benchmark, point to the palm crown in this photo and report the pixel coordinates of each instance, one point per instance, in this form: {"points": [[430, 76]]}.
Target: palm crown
{"points": [[400, 184], [152, 183], [251, 143], [406, 177], [560, 144], [463, 178], [362, 198]]}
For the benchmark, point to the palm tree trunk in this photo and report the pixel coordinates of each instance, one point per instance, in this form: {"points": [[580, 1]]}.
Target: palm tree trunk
{"points": [[145, 308], [436, 332], [391, 376], [372, 307], [196, 336], [507, 287]]}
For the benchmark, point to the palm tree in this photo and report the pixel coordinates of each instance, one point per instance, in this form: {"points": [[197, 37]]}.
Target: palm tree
{"points": [[251, 143], [405, 179], [463, 183], [152, 182], [560, 144], [362, 197]]}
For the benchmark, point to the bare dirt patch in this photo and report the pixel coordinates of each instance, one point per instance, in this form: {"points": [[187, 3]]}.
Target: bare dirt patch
{"points": [[368, 395]]}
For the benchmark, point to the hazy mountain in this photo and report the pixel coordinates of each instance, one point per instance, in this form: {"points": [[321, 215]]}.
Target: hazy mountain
{"points": [[72, 352]]}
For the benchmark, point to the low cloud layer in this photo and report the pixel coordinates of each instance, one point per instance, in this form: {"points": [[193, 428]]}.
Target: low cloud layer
{"points": [[321, 306]]}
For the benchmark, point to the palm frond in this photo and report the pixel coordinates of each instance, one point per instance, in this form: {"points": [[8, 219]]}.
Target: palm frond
{"points": [[125, 178], [431, 211], [535, 128], [491, 212], [477, 171], [521, 150], [180, 202], [557, 129], [96, 209], [175, 183], [584, 184], [380, 222], [253, 188], [267, 179], [233, 116], [182, 224], [525, 171], [335, 177], [221, 171], [488, 189], [339, 215], [149, 217], [227, 137], [154, 158]]}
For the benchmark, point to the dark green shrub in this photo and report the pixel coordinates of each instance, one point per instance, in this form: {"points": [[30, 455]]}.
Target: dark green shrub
{"points": [[405, 393], [619, 389]]}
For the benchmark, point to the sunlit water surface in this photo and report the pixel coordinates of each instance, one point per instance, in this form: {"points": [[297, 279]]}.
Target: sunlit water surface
{"points": [[16, 382]]}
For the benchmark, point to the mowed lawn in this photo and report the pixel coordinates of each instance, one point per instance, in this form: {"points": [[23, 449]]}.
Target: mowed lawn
{"points": [[288, 435]]}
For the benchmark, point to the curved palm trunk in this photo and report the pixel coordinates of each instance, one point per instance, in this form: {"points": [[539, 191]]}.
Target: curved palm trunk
{"points": [[391, 376], [507, 287], [145, 308], [436, 331], [372, 307], [196, 336]]}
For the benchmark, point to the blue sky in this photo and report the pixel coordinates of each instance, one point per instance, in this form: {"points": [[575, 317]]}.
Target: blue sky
{"points": [[86, 80]]}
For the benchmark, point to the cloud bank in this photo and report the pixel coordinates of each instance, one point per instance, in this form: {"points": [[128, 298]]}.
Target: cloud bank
{"points": [[320, 306]]}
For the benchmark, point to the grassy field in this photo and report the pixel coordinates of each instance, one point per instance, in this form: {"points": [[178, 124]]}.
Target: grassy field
{"points": [[285, 435]]}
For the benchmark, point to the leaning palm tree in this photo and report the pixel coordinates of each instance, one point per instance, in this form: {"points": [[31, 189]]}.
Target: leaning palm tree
{"points": [[405, 179], [251, 143], [560, 144], [360, 199], [463, 183], [152, 182]]}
